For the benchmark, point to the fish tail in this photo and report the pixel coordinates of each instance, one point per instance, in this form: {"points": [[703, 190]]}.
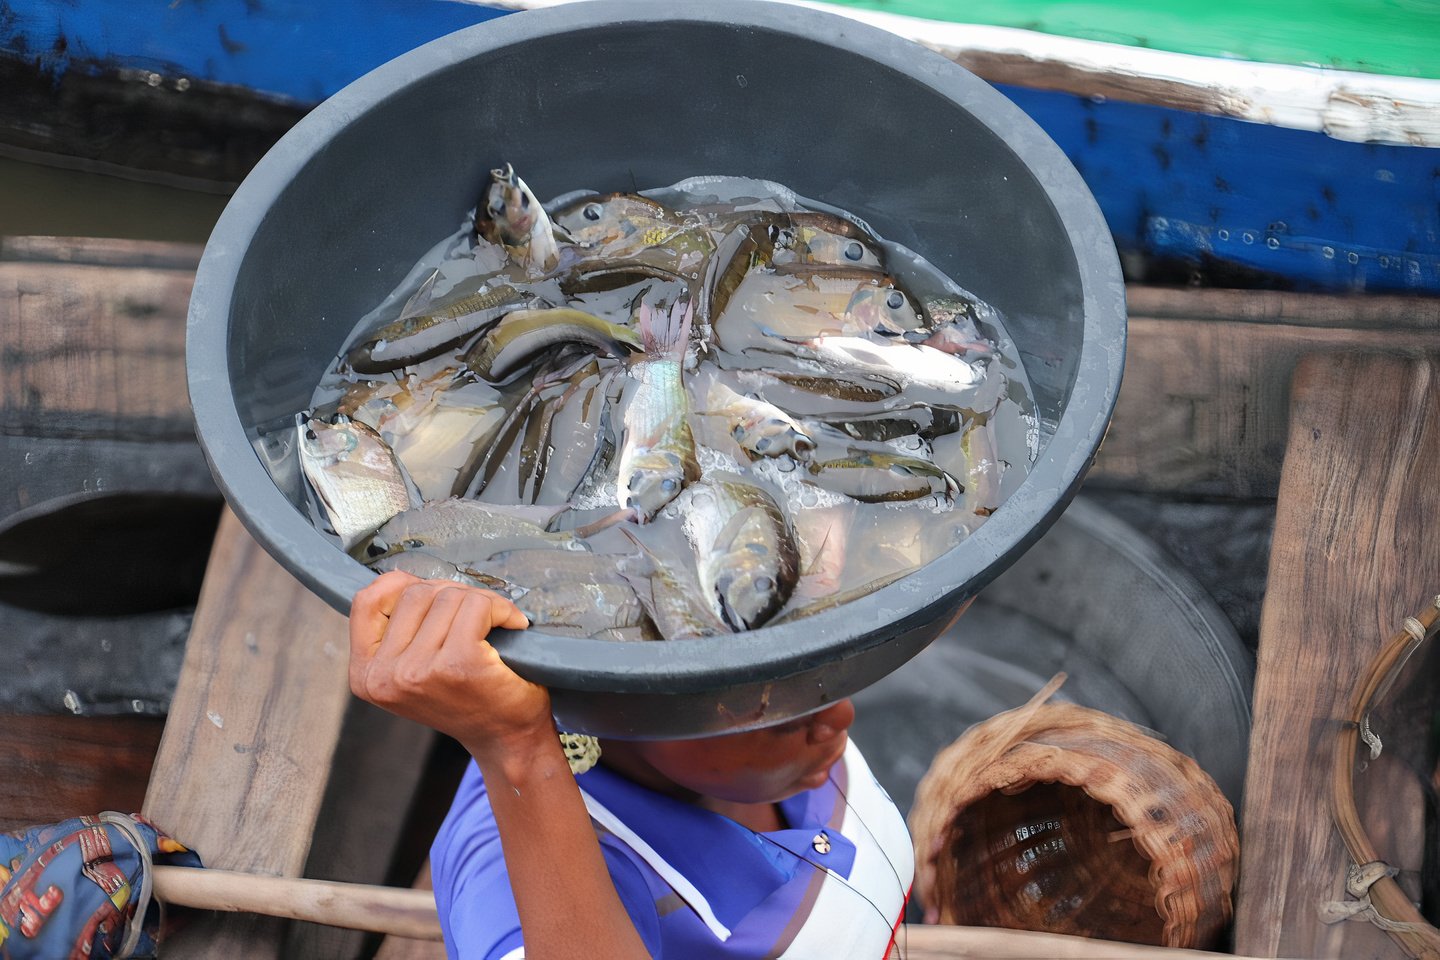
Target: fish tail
{"points": [[665, 333]]}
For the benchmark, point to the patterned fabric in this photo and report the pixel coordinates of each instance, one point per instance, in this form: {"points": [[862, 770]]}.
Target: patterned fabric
{"points": [[74, 889]]}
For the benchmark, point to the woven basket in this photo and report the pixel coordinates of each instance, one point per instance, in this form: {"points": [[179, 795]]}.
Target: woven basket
{"points": [[1059, 818]]}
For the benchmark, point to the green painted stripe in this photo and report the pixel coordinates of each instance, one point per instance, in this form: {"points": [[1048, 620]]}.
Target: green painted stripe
{"points": [[1395, 37]]}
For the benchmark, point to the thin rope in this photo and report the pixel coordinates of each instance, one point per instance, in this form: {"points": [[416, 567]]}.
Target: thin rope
{"points": [[136, 926]]}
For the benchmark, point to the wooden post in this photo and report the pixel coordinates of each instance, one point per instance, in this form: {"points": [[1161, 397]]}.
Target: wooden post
{"points": [[1355, 552], [247, 748]]}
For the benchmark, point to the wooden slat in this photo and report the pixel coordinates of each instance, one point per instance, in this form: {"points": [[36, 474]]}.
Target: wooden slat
{"points": [[55, 767], [1204, 404], [248, 744], [93, 349], [379, 764], [993, 943], [1355, 551], [103, 251], [403, 948]]}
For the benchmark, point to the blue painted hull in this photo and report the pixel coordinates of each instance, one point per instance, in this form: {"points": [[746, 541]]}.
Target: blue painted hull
{"points": [[1186, 194], [1302, 208]]}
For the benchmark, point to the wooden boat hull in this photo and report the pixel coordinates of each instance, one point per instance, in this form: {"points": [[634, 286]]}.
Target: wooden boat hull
{"points": [[195, 94]]}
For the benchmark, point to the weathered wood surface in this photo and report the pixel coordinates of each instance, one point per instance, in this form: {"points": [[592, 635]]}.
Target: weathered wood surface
{"points": [[1354, 553], [94, 335], [1203, 409], [55, 767], [387, 908], [379, 764], [93, 392], [252, 731], [404, 948]]}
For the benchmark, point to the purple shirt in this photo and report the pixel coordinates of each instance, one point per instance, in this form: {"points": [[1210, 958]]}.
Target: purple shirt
{"points": [[696, 884]]}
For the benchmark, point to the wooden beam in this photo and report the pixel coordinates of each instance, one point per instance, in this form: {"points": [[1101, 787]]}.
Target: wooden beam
{"points": [[379, 764], [94, 337], [252, 730], [410, 916], [1354, 553], [55, 767], [1203, 409]]}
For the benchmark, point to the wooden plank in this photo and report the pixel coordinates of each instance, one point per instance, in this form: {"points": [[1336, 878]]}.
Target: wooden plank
{"points": [[104, 252], [246, 754], [54, 767], [994, 943], [94, 349], [1354, 553], [379, 764], [403, 948], [1204, 404]]}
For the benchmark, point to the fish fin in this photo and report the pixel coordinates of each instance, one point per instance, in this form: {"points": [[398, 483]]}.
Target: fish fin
{"points": [[665, 334], [419, 301]]}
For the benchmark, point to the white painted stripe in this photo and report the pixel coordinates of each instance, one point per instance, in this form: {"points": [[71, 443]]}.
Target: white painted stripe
{"points": [[669, 874], [1345, 104]]}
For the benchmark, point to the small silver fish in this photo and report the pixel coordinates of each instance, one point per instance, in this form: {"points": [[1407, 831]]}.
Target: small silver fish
{"points": [[417, 337], [670, 595], [511, 216], [657, 453], [872, 477], [356, 476], [745, 551], [469, 532], [523, 333], [759, 426], [904, 364]]}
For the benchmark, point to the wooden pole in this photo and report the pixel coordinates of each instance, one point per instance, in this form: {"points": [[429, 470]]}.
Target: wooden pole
{"points": [[356, 906], [411, 914]]}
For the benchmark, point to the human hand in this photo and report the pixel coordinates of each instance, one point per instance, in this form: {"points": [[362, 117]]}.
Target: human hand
{"points": [[418, 649]]}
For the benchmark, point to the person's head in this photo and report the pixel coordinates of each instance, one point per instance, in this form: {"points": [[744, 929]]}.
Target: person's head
{"points": [[757, 766]]}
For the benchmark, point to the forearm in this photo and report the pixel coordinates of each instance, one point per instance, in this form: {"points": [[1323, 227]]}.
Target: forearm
{"points": [[567, 903]]}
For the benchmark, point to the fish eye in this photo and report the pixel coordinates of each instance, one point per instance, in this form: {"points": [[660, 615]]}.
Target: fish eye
{"points": [[854, 250], [762, 444], [669, 484], [311, 434], [764, 584], [375, 548], [524, 201], [591, 211], [896, 300]]}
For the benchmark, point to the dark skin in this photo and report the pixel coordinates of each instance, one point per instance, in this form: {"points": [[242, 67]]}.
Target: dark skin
{"points": [[418, 648]]}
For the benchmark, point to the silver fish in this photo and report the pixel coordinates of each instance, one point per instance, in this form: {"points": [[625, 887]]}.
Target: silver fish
{"points": [[745, 551], [670, 594], [469, 532], [523, 333], [356, 476], [822, 239], [759, 426], [903, 364], [511, 216], [657, 454], [410, 339], [433, 424], [429, 567], [872, 477]]}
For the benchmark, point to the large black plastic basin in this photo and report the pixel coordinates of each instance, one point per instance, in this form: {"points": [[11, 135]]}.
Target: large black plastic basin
{"points": [[611, 95]]}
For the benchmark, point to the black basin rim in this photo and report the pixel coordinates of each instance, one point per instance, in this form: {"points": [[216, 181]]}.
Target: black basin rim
{"points": [[709, 663]]}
